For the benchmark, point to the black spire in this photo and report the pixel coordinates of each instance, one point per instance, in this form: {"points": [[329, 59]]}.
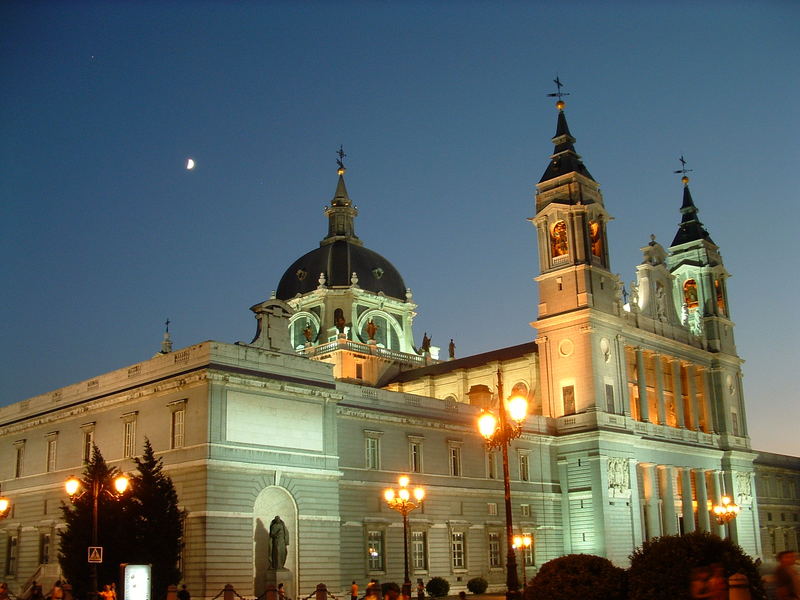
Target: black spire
{"points": [[690, 228], [341, 213], [564, 158]]}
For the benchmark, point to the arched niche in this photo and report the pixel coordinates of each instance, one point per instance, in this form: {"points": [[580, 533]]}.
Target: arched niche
{"points": [[274, 501]]}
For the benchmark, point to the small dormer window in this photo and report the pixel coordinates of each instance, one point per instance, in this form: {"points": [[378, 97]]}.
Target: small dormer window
{"points": [[301, 274], [377, 272]]}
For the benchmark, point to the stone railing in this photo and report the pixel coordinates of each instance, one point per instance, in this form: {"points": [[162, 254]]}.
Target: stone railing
{"points": [[368, 349]]}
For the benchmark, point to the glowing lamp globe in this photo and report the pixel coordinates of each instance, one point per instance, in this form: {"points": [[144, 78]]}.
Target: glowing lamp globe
{"points": [[388, 495], [518, 408], [72, 486], [419, 494], [121, 484], [487, 424]]}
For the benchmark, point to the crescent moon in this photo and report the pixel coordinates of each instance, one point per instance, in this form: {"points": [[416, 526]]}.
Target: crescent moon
{"points": [[190, 164]]}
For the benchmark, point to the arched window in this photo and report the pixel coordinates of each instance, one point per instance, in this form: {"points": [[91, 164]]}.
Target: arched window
{"points": [[559, 246], [720, 296], [690, 293], [303, 328], [387, 332], [596, 238]]}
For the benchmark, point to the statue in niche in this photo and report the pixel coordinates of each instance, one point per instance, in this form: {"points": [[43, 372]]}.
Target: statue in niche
{"points": [[558, 239], [338, 320], [307, 333], [279, 540], [451, 348], [372, 329], [426, 343], [596, 237]]}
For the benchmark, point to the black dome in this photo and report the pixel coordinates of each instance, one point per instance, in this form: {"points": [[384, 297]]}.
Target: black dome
{"points": [[338, 260]]}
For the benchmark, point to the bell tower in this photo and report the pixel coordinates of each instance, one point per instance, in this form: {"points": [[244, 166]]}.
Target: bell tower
{"points": [[571, 225]]}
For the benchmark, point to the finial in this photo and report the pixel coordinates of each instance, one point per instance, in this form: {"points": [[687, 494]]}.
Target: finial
{"points": [[354, 279], [684, 170], [652, 238], [560, 104], [339, 162]]}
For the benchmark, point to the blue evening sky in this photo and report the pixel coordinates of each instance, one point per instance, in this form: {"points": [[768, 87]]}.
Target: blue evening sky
{"points": [[442, 110]]}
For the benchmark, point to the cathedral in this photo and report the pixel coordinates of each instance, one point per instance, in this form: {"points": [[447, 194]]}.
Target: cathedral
{"points": [[636, 423]]}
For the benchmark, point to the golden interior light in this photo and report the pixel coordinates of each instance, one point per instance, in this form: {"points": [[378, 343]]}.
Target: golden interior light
{"points": [[726, 500], [72, 485], [4, 504], [518, 408], [487, 424], [403, 481], [388, 495], [404, 494], [121, 484], [526, 541], [419, 494], [517, 541]]}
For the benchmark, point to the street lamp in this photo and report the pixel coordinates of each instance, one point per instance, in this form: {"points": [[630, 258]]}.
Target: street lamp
{"points": [[726, 512], [524, 542], [73, 485], [499, 431], [5, 507], [400, 500]]}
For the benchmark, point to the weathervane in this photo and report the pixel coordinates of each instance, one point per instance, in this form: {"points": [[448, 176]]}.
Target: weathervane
{"points": [[683, 170], [558, 93], [339, 162]]}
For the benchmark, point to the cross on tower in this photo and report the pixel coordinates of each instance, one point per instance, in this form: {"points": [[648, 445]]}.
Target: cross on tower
{"points": [[340, 153], [683, 170], [166, 323], [558, 93]]}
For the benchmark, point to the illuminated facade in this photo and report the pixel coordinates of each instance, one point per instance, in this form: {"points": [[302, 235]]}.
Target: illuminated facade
{"points": [[637, 427]]}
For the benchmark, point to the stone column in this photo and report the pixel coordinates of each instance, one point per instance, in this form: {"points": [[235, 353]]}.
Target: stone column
{"points": [[670, 520], [711, 426], [651, 500], [677, 392], [644, 409], [563, 481], [622, 366], [636, 501], [716, 498], [703, 516], [658, 365], [687, 505]]}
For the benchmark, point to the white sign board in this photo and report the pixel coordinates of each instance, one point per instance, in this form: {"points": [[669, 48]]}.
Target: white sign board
{"points": [[136, 582]]}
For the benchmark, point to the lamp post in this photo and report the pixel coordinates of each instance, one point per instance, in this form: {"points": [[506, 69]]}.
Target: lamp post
{"points": [[499, 431], [400, 500], [726, 511], [524, 542], [73, 485]]}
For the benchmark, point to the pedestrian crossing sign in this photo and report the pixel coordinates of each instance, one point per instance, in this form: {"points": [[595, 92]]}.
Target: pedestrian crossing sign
{"points": [[95, 554]]}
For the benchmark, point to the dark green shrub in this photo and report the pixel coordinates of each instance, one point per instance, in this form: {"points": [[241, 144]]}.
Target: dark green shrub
{"points": [[662, 567], [389, 585], [437, 587], [583, 576], [477, 585]]}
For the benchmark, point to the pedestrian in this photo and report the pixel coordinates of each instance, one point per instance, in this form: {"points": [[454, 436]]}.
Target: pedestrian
{"points": [[57, 593], [699, 587], [718, 583], [183, 593], [354, 590], [106, 593], [787, 579], [281, 592], [462, 595], [36, 592], [420, 590], [3, 590]]}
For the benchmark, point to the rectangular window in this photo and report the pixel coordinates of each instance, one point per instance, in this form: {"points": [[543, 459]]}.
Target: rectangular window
{"points": [[568, 396], [359, 371], [373, 452], [419, 550], [527, 553], [128, 438], [491, 508], [455, 461], [18, 461], [12, 551], [51, 454], [88, 443], [44, 548], [491, 465], [610, 398], [176, 437], [495, 559], [458, 550], [415, 456], [735, 423], [524, 473], [375, 550], [525, 510]]}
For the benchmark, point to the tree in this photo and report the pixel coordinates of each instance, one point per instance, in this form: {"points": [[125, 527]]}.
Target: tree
{"points": [[158, 526], [113, 534], [662, 567], [584, 576]]}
